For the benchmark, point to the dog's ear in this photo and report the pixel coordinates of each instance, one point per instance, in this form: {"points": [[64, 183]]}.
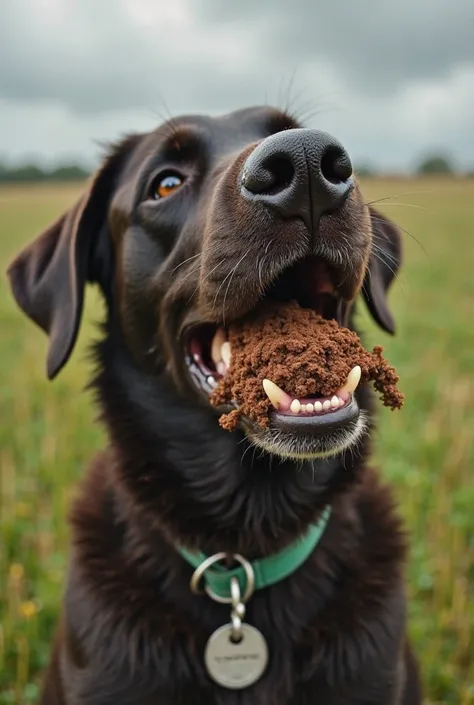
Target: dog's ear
{"points": [[384, 263], [49, 276]]}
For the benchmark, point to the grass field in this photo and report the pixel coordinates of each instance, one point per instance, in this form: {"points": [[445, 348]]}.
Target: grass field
{"points": [[428, 448]]}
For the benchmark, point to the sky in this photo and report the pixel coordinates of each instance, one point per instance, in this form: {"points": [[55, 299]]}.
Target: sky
{"points": [[392, 79]]}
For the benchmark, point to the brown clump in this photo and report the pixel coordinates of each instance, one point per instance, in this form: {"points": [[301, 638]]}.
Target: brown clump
{"points": [[302, 353]]}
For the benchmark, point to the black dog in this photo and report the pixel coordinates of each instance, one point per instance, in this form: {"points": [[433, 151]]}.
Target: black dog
{"points": [[185, 229]]}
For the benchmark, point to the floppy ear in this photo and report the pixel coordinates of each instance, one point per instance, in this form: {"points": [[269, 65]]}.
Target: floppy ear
{"points": [[49, 276], [384, 263]]}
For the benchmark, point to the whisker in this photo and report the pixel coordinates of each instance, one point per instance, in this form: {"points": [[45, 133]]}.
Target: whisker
{"points": [[289, 99], [313, 106], [206, 277], [407, 232], [260, 275], [377, 248], [191, 272], [381, 254], [305, 116], [168, 123], [400, 275], [386, 200], [230, 281], [245, 451], [172, 271], [229, 274], [402, 204]]}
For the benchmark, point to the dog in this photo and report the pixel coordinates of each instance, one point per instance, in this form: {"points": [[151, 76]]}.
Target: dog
{"points": [[186, 229]]}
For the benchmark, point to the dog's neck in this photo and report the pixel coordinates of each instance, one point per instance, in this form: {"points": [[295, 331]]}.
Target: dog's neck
{"points": [[201, 486]]}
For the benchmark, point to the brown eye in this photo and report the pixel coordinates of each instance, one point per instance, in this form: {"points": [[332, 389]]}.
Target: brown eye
{"points": [[166, 184]]}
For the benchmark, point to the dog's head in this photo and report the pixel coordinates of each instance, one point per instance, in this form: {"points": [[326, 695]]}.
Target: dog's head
{"points": [[189, 227]]}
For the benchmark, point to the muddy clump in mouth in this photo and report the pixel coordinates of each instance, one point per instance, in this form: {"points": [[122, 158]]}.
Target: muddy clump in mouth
{"points": [[288, 359]]}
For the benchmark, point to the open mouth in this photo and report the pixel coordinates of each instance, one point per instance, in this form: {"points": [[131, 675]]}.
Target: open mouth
{"points": [[313, 284]]}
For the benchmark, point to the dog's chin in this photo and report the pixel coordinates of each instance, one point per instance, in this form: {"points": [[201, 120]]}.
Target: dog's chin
{"points": [[309, 438]]}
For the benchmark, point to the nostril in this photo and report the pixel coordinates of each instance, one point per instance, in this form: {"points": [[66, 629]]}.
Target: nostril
{"points": [[272, 175], [282, 171], [336, 166]]}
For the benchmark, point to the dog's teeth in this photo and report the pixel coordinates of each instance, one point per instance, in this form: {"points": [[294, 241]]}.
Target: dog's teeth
{"points": [[283, 402], [295, 407], [353, 379], [217, 343], [225, 353], [279, 398], [221, 368], [211, 381]]}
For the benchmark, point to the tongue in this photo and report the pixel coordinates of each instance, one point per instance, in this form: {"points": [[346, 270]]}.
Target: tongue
{"points": [[315, 284]]}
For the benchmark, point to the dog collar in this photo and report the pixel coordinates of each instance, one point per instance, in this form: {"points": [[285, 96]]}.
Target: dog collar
{"points": [[253, 575]]}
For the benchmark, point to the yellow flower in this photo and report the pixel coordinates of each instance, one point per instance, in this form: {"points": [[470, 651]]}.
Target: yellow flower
{"points": [[16, 571], [28, 609]]}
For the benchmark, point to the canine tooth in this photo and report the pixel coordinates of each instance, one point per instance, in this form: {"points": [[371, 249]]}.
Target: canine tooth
{"points": [[309, 408], [335, 402], [217, 342], [225, 352], [353, 379], [318, 407], [341, 401], [326, 405], [277, 396], [295, 407], [221, 368]]}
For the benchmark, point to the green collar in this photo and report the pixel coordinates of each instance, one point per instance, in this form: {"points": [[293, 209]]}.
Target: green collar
{"points": [[268, 570]]}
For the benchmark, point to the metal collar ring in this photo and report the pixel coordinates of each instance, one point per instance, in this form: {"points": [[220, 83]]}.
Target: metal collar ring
{"points": [[205, 565]]}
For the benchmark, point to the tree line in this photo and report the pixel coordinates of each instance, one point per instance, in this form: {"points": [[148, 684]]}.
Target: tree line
{"points": [[432, 165], [33, 172], [435, 164]]}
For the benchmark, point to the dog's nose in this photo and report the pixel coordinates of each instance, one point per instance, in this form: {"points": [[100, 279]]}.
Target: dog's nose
{"points": [[300, 173]]}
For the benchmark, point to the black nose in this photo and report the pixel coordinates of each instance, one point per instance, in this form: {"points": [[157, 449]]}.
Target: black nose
{"points": [[300, 173]]}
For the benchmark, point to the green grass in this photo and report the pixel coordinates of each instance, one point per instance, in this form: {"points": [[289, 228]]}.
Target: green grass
{"points": [[427, 447]]}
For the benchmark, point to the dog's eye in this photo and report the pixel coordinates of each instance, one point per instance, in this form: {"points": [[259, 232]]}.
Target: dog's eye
{"points": [[167, 183]]}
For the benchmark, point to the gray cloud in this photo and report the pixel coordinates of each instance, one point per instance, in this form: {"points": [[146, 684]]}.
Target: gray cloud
{"points": [[98, 56], [392, 78], [378, 44]]}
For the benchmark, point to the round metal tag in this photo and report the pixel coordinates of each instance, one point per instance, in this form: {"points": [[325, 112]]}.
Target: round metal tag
{"points": [[236, 665]]}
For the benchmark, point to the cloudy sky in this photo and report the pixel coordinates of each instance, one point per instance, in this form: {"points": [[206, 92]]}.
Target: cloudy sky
{"points": [[393, 79]]}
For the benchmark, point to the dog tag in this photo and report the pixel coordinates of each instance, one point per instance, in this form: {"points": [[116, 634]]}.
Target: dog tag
{"points": [[236, 665]]}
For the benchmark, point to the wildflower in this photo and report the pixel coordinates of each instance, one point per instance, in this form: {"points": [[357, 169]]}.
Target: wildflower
{"points": [[28, 609], [16, 572]]}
